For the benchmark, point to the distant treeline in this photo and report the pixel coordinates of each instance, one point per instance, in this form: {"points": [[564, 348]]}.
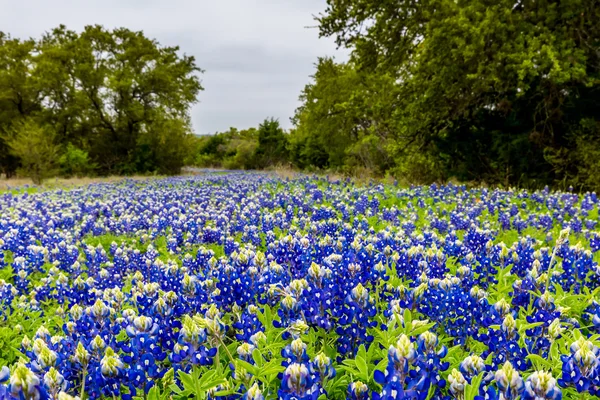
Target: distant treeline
{"points": [[254, 148], [500, 92], [95, 102]]}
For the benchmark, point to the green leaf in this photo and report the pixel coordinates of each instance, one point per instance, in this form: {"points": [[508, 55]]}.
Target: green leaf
{"points": [[472, 389], [258, 358], [252, 369], [363, 368], [362, 352], [417, 331], [187, 380], [539, 362], [554, 352], [407, 320], [154, 393], [531, 325]]}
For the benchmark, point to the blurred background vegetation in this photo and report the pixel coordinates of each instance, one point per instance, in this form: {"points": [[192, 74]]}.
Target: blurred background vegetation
{"points": [[497, 92]]}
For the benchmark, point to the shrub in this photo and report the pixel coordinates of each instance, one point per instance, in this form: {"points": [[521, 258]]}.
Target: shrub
{"points": [[75, 162], [35, 147]]}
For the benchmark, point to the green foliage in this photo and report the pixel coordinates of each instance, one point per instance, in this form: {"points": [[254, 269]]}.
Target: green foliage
{"points": [[344, 120], [212, 150], [324, 128], [362, 367], [472, 90], [36, 149], [272, 144], [580, 162], [14, 325], [75, 162], [18, 95], [244, 149], [468, 90], [197, 383], [243, 158], [115, 95], [165, 141]]}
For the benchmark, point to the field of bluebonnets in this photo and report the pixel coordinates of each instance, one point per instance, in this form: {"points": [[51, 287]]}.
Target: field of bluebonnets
{"points": [[250, 286]]}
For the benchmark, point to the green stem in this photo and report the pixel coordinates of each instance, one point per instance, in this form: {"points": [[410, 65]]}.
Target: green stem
{"points": [[550, 270], [83, 384], [226, 350], [564, 234], [217, 359]]}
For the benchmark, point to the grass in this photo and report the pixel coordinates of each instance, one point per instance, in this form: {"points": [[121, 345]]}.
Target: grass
{"points": [[26, 185], [106, 240], [160, 245]]}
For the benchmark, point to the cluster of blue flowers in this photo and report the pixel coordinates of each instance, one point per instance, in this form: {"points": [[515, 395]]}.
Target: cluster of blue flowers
{"points": [[300, 288]]}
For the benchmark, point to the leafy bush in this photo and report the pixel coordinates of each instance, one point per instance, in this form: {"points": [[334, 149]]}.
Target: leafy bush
{"points": [[75, 162], [579, 166], [35, 147], [272, 144], [243, 158]]}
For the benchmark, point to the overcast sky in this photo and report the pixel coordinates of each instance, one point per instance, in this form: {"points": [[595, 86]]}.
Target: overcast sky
{"points": [[257, 54]]}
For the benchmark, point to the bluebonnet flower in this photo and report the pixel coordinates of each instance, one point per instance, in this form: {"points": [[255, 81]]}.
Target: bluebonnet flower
{"points": [[457, 383], [190, 348], [509, 381], [358, 391], [400, 381], [592, 313], [540, 385], [24, 384], [354, 317], [322, 367], [429, 359], [4, 378], [581, 368], [253, 393], [546, 312], [54, 382], [504, 346], [245, 352], [297, 383], [217, 250], [295, 352]]}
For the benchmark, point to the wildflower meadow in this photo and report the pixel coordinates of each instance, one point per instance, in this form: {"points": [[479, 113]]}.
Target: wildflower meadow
{"points": [[245, 285]]}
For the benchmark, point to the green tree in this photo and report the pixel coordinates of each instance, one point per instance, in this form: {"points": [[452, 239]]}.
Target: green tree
{"points": [[103, 91], [325, 122], [19, 96], [482, 85], [345, 119], [36, 149], [75, 162], [167, 138], [241, 148], [580, 165], [272, 144]]}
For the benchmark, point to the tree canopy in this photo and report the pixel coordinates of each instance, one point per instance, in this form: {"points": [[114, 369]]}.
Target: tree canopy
{"points": [[500, 91], [116, 95], [503, 92]]}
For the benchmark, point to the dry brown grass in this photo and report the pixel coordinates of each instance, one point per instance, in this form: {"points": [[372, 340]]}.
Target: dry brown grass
{"points": [[284, 172], [359, 177], [53, 183]]}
